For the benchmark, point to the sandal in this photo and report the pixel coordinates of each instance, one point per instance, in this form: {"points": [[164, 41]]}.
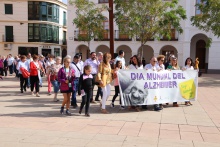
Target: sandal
{"points": [[104, 111]]}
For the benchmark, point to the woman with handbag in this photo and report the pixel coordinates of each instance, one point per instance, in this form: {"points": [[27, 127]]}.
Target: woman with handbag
{"points": [[23, 81], [48, 65], [53, 71], [104, 78], [35, 68], [66, 77]]}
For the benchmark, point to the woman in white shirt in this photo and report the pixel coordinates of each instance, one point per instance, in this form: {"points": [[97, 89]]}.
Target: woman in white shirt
{"points": [[135, 64], [188, 66], [23, 81]]}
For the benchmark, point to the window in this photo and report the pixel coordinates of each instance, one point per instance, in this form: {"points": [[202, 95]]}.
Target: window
{"points": [[8, 9], [43, 33], [43, 11], [198, 11], [64, 18], [103, 1], [9, 36], [56, 52]]}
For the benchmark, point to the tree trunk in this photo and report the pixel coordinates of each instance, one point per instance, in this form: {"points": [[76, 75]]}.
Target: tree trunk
{"points": [[142, 51]]}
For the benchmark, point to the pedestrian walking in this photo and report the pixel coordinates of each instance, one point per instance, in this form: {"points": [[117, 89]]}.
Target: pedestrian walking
{"points": [[48, 65], [121, 58], [99, 91]]}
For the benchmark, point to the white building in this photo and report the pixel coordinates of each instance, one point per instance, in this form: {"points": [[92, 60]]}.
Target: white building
{"points": [[35, 26], [192, 43]]}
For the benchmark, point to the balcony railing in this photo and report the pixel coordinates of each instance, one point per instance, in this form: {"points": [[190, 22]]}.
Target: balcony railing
{"points": [[105, 35], [7, 39], [122, 36], [174, 36]]}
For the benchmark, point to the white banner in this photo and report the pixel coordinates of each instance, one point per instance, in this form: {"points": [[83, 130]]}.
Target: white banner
{"points": [[146, 87]]}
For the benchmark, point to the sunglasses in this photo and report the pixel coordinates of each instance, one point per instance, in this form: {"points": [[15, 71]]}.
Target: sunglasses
{"points": [[162, 60]]}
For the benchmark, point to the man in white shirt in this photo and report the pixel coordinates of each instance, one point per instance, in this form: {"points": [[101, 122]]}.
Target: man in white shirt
{"points": [[94, 63], [10, 64], [78, 68], [121, 58], [99, 91], [152, 66], [29, 60]]}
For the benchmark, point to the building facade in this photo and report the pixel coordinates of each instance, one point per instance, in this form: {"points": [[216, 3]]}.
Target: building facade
{"points": [[191, 43], [33, 26]]}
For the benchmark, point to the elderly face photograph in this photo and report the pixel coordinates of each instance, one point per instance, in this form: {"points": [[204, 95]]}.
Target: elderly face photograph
{"points": [[133, 92]]}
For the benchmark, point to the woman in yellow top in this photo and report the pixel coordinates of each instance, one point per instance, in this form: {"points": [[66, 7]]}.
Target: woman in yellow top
{"points": [[105, 78]]}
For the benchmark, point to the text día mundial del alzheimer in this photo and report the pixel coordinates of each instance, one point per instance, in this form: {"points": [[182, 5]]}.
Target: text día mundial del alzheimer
{"points": [[158, 80]]}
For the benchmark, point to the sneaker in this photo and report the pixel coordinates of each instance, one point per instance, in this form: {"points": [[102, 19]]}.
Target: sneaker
{"points": [[49, 93], [93, 102], [122, 107], [157, 108], [68, 112], [37, 95], [32, 93], [25, 89], [61, 110], [112, 105], [87, 115]]}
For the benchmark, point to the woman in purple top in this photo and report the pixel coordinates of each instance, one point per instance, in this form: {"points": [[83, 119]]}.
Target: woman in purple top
{"points": [[66, 77]]}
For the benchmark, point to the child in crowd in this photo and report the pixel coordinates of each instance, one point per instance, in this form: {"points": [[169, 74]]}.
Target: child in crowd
{"points": [[85, 87], [116, 83]]}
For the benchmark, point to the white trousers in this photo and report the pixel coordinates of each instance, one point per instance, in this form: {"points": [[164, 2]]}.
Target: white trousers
{"points": [[106, 93]]}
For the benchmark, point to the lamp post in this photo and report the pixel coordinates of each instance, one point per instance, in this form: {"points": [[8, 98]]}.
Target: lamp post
{"points": [[111, 27]]}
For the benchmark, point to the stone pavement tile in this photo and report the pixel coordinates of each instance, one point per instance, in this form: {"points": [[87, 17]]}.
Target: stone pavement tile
{"points": [[205, 144], [201, 123], [188, 128], [211, 130], [74, 142], [172, 127], [140, 140], [73, 127], [110, 130], [109, 138], [174, 143], [49, 133], [16, 131], [115, 123], [191, 136], [101, 143], [78, 135], [40, 139], [20, 144], [98, 122], [167, 134], [211, 137], [149, 130], [13, 137], [131, 129], [91, 129]]}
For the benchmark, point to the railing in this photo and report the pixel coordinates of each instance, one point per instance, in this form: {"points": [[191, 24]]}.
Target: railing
{"points": [[122, 36], [174, 36], [105, 35], [7, 39]]}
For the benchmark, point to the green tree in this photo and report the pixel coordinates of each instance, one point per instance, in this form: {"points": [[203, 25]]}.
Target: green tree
{"points": [[89, 20], [147, 19], [209, 17]]}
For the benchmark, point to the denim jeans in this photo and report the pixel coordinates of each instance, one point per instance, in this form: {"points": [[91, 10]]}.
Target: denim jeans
{"points": [[76, 83], [99, 93], [11, 69], [56, 86]]}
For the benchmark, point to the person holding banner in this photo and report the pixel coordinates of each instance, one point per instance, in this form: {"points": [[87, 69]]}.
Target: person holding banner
{"points": [[188, 66], [23, 81], [35, 68], [135, 64], [174, 66], [154, 67], [104, 78]]}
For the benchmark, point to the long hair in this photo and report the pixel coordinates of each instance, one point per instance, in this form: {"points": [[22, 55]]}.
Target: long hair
{"points": [[105, 56], [192, 64], [138, 61], [117, 64]]}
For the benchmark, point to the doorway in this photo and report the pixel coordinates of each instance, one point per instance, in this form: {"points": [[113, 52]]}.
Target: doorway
{"points": [[46, 52], [201, 53]]}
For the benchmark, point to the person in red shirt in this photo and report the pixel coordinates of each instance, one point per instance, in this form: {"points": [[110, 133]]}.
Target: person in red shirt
{"points": [[35, 68]]}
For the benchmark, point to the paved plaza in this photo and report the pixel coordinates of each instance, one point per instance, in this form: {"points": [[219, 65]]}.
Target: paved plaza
{"points": [[31, 121]]}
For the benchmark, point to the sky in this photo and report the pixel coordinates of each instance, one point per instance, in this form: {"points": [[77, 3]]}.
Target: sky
{"points": [[65, 1]]}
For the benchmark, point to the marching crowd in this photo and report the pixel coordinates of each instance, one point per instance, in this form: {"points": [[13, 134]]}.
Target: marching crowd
{"points": [[73, 76]]}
